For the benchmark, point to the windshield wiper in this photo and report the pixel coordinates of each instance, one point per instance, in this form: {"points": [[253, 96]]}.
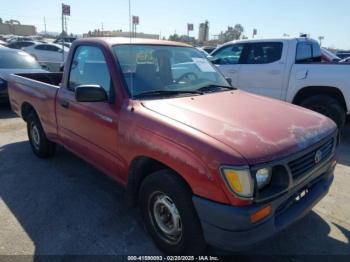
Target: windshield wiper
{"points": [[213, 88], [167, 93]]}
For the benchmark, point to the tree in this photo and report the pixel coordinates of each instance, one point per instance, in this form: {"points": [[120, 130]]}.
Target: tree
{"points": [[238, 29], [174, 37], [233, 33], [182, 38]]}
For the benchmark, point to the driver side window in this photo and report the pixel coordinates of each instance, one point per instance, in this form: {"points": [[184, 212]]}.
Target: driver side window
{"points": [[229, 55], [89, 67]]}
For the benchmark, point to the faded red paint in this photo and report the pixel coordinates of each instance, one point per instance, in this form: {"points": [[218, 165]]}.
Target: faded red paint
{"points": [[192, 135]]}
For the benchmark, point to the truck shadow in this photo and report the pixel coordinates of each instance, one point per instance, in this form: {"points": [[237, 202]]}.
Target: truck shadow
{"points": [[65, 206], [308, 236], [5, 111]]}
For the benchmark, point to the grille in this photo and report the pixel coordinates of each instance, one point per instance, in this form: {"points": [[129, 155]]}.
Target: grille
{"points": [[308, 161]]}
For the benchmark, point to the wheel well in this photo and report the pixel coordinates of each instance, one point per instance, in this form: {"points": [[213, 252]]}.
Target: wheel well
{"points": [[319, 90], [26, 109], [140, 168]]}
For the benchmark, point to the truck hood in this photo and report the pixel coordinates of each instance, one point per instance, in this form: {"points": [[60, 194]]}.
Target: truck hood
{"points": [[259, 128]]}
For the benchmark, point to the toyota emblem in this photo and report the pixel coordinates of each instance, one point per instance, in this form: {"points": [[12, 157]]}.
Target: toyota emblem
{"points": [[318, 156]]}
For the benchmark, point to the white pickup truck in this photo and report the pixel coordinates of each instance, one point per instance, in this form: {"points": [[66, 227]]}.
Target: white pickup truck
{"points": [[289, 70]]}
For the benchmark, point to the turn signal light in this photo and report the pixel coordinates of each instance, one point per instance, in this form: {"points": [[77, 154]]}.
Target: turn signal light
{"points": [[261, 214]]}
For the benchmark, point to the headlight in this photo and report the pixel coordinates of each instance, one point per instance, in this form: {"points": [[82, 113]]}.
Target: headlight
{"points": [[263, 177], [239, 181]]}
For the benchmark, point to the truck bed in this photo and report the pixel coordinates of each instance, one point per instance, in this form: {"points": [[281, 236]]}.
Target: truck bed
{"points": [[38, 91], [48, 78]]}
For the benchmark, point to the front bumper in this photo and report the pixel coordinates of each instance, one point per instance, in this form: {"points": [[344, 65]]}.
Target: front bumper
{"points": [[230, 228]]}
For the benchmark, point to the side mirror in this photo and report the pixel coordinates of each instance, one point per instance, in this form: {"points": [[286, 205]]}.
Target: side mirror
{"points": [[90, 93]]}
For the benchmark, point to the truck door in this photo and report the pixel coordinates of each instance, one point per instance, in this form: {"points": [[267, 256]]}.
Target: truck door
{"points": [[89, 128], [263, 69], [228, 61]]}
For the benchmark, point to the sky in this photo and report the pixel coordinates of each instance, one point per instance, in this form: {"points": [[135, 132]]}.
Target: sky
{"points": [[272, 18]]}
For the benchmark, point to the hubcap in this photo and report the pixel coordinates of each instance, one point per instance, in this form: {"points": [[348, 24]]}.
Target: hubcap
{"points": [[165, 217], [35, 135]]}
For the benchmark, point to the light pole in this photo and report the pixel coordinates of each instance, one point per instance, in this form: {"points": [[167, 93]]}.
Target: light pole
{"points": [[130, 30], [321, 38]]}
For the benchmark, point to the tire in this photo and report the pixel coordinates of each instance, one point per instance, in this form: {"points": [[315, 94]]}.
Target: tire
{"points": [[328, 106], [158, 191], [39, 143]]}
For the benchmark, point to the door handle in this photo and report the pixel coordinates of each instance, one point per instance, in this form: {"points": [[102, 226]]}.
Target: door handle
{"points": [[302, 75], [64, 103], [233, 71]]}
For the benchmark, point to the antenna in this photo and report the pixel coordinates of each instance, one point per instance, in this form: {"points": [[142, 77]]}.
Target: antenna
{"points": [[130, 50]]}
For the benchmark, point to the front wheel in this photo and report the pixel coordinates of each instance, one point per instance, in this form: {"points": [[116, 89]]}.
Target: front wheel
{"points": [[39, 143], [169, 214]]}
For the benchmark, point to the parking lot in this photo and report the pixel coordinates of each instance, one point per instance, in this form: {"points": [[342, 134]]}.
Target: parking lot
{"points": [[65, 206]]}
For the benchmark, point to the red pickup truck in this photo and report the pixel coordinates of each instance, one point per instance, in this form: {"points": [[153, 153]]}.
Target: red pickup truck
{"points": [[207, 164]]}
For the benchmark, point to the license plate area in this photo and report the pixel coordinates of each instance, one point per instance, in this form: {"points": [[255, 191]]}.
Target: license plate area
{"points": [[303, 193], [294, 199]]}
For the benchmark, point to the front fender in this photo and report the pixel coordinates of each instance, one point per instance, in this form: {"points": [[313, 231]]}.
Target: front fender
{"points": [[179, 158]]}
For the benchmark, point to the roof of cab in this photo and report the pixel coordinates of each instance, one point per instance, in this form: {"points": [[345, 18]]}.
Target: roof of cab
{"points": [[134, 41], [259, 40]]}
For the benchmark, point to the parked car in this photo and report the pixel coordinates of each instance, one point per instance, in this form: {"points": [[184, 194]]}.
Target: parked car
{"points": [[208, 49], [66, 44], [205, 163], [343, 54], [21, 44], [47, 52], [329, 57], [289, 70], [12, 39], [14, 61], [65, 40], [205, 53], [3, 43]]}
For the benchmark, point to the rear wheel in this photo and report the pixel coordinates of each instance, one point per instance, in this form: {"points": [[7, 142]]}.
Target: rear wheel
{"points": [[40, 145], [327, 106], [169, 214]]}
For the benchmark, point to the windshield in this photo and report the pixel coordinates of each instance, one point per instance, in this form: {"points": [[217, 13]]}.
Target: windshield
{"points": [[17, 60], [166, 70]]}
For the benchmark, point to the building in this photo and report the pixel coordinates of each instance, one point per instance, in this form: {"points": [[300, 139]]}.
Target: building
{"points": [[119, 33], [203, 32], [14, 27]]}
